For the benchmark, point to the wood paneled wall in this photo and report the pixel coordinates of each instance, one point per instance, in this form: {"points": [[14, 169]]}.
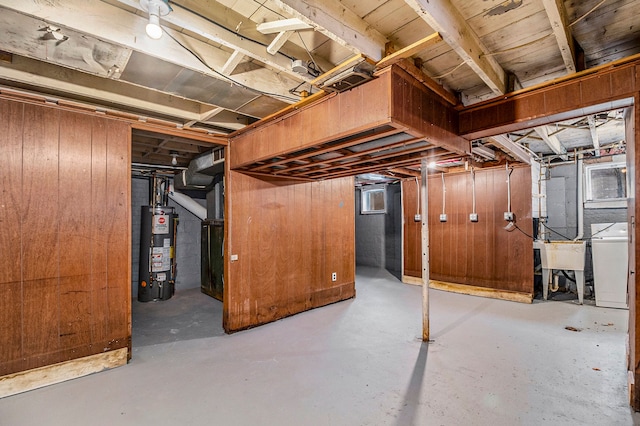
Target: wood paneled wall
{"points": [[289, 237], [632, 123], [483, 253], [589, 92], [65, 239]]}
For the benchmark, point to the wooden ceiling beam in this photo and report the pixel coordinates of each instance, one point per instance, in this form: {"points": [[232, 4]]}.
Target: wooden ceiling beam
{"points": [[444, 18], [562, 32], [552, 141], [337, 22], [594, 135], [517, 151], [410, 50], [293, 24], [183, 18]]}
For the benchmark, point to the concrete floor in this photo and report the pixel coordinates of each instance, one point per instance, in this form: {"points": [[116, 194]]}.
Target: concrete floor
{"points": [[359, 362]]}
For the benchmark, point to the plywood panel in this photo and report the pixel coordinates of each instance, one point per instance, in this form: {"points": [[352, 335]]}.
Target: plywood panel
{"points": [[522, 110], [40, 240], [411, 230], [69, 235], [99, 235], [11, 129], [11, 331], [482, 253], [118, 223], [289, 237]]}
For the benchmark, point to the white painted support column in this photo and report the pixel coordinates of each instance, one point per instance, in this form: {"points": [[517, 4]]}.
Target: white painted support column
{"points": [[424, 217]]}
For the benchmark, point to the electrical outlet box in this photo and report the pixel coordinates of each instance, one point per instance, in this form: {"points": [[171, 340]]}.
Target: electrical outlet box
{"points": [[509, 216], [473, 217], [443, 217], [417, 218], [334, 276]]}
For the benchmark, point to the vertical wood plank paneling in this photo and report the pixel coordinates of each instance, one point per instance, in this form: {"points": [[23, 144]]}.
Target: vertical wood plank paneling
{"points": [[410, 230], [11, 302], [632, 129], [119, 235], [64, 234], [482, 254], [40, 213], [290, 236], [74, 194], [99, 234], [11, 130]]}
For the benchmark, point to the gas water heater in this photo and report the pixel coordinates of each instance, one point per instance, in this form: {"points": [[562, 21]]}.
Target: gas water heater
{"points": [[156, 280]]}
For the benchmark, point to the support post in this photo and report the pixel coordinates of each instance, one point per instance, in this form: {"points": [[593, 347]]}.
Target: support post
{"points": [[424, 207]]}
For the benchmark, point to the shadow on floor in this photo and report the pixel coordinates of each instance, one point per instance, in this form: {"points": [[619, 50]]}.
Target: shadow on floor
{"points": [[189, 314]]}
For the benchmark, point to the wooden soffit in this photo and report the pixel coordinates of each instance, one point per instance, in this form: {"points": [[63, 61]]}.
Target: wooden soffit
{"points": [[600, 89], [392, 120]]}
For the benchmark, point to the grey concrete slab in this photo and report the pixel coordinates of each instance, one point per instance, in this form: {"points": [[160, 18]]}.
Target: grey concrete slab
{"points": [[361, 362]]}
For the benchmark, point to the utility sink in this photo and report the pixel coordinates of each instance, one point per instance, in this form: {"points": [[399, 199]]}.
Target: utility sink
{"points": [[564, 255]]}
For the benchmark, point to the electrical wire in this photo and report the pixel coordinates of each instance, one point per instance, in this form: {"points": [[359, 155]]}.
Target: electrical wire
{"points": [[449, 72], [209, 20], [586, 14], [309, 53], [516, 47], [518, 228], [195, 55], [556, 232]]}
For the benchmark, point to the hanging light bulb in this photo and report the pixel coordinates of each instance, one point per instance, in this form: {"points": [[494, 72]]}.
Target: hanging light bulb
{"points": [[156, 9], [174, 159]]}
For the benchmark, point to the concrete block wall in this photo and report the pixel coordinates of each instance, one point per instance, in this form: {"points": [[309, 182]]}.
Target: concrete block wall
{"points": [[379, 236], [188, 239], [563, 216]]}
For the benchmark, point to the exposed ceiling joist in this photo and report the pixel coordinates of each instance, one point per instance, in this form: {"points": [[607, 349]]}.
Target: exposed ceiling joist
{"points": [[552, 141], [561, 30], [231, 64], [204, 116], [444, 18], [204, 28], [410, 50], [82, 85], [279, 41], [116, 25], [340, 24], [518, 152], [594, 135], [293, 24]]}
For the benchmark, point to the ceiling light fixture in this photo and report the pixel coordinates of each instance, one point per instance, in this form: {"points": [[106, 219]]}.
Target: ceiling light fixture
{"points": [[174, 159], [156, 9]]}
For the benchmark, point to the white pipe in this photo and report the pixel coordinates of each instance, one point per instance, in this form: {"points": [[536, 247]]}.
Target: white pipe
{"points": [[580, 205], [188, 203]]}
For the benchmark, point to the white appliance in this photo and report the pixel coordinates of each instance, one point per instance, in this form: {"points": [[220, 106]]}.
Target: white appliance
{"points": [[609, 242]]}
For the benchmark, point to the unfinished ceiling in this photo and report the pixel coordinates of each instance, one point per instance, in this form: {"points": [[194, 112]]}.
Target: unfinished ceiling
{"points": [[221, 65]]}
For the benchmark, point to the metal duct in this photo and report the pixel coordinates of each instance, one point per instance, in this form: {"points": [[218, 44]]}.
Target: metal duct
{"points": [[201, 171]]}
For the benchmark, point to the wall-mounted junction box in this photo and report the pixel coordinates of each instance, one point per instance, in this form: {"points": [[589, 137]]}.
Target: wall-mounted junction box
{"points": [[443, 217], [509, 216], [473, 217], [417, 218]]}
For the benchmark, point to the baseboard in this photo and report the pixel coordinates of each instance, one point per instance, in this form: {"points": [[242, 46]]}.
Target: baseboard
{"points": [[407, 279], [24, 381], [513, 296]]}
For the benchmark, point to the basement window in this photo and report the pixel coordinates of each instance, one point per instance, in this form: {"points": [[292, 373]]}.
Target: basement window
{"points": [[374, 199], [606, 185]]}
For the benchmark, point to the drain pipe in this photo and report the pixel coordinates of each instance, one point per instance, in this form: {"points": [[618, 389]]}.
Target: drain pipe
{"points": [[580, 206]]}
